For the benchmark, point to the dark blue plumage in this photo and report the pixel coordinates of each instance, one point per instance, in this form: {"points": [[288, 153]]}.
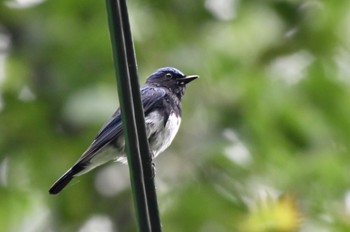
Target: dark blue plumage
{"points": [[161, 98]]}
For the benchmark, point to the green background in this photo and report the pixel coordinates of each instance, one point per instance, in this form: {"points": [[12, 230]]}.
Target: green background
{"points": [[269, 117]]}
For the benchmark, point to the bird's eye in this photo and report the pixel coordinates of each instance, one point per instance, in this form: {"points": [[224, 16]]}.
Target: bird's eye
{"points": [[168, 75]]}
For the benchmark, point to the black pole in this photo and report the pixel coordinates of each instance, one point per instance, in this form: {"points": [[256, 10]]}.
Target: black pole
{"points": [[128, 115], [139, 157], [146, 157]]}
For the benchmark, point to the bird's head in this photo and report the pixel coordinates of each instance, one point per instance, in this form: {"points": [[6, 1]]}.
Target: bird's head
{"points": [[172, 79]]}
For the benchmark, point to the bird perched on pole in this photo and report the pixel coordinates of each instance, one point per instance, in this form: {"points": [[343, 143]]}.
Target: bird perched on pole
{"points": [[161, 98]]}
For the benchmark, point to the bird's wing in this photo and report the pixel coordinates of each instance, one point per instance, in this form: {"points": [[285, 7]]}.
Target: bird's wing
{"points": [[108, 132], [151, 98], [111, 130]]}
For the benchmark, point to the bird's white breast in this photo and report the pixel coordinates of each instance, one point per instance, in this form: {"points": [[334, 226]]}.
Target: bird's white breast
{"points": [[165, 133]]}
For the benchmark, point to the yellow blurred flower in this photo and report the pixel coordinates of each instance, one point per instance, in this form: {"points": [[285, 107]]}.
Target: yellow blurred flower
{"points": [[281, 215]]}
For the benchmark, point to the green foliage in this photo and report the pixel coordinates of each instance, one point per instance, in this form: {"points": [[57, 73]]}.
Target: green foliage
{"points": [[269, 116]]}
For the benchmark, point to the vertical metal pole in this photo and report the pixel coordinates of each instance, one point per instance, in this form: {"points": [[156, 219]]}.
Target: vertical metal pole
{"points": [[146, 157], [128, 115]]}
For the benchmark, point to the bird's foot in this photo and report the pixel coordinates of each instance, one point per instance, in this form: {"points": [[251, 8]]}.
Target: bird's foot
{"points": [[153, 169]]}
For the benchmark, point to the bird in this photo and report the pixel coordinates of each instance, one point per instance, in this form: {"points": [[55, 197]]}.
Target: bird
{"points": [[161, 98]]}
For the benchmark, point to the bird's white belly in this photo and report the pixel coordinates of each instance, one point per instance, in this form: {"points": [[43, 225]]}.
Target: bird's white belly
{"points": [[165, 133]]}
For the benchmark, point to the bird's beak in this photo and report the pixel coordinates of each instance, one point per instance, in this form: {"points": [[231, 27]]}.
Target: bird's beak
{"points": [[188, 79]]}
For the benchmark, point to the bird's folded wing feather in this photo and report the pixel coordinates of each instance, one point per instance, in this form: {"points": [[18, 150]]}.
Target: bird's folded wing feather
{"points": [[151, 98]]}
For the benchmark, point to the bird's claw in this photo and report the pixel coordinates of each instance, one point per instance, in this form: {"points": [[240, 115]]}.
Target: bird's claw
{"points": [[153, 169]]}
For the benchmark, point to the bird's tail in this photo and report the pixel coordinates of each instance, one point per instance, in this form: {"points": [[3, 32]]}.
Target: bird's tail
{"points": [[65, 179]]}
